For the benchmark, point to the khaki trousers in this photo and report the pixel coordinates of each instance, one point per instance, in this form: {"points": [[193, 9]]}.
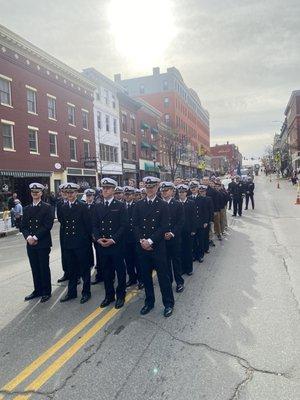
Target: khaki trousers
{"points": [[223, 219], [217, 223]]}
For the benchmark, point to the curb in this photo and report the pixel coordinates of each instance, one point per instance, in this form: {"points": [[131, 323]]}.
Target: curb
{"points": [[11, 232]]}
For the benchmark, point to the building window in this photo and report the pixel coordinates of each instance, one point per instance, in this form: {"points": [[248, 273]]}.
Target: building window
{"points": [[51, 107], [166, 102], [53, 144], [124, 122], [125, 150], [33, 141], [142, 89], [132, 125], [71, 114], [167, 119], [106, 98], [133, 147], [31, 101], [113, 101], [165, 85], [98, 96], [115, 125], [86, 149], [107, 123], [8, 136], [73, 150], [85, 119], [108, 153], [5, 91], [99, 125]]}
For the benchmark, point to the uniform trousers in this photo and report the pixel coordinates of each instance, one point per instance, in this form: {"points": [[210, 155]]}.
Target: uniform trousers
{"points": [[150, 260], [173, 248], [251, 197], [132, 263], [237, 205], [217, 223], [39, 263], [206, 237], [229, 203], [201, 233], [186, 252], [79, 267], [223, 219], [64, 259], [112, 264]]}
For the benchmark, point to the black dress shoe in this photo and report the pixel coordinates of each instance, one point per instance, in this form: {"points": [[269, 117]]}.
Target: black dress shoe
{"points": [[207, 252], [63, 278], [119, 303], [31, 296], [131, 283], [67, 297], [85, 298], [106, 302], [45, 298], [179, 288], [146, 309], [168, 312], [141, 286], [189, 273], [201, 260]]}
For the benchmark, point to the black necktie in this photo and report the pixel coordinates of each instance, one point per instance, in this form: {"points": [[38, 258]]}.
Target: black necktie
{"points": [[150, 202], [106, 204]]}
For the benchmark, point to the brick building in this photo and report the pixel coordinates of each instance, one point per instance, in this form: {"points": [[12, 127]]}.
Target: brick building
{"points": [[46, 115], [181, 110], [231, 152]]}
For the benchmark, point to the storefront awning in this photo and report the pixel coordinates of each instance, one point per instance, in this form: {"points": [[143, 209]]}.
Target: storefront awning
{"points": [[25, 174], [145, 145], [144, 125], [154, 130]]}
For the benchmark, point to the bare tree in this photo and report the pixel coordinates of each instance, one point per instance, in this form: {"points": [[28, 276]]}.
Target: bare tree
{"points": [[175, 147]]}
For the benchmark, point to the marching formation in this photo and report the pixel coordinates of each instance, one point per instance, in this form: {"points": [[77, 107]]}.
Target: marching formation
{"points": [[127, 233]]}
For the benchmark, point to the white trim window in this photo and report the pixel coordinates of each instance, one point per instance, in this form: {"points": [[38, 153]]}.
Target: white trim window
{"points": [[99, 122], [113, 101], [53, 143], [31, 100], [5, 91], [106, 97], [107, 123], [85, 119], [33, 140], [71, 114], [51, 101], [73, 148], [115, 125], [7, 128], [86, 149], [166, 102]]}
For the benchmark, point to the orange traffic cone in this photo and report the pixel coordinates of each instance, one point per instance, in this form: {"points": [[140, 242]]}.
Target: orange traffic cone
{"points": [[298, 199]]}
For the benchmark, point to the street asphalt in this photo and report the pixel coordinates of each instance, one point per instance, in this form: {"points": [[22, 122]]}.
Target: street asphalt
{"points": [[234, 334]]}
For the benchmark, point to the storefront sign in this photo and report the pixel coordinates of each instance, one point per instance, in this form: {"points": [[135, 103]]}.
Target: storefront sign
{"points": [[57, 165]]}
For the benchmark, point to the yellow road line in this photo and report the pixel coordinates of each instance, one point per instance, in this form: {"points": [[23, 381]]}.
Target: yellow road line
{"points": [[10, 386], [60, 361]]}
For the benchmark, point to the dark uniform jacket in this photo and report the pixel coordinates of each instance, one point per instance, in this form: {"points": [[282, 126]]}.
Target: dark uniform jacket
{"points": [[202, 211], [214, 195], [129, 237], [151, 222], [210, 206], [224, 198], [230, 187], [176, 218], [189, 211], [238, 189], [250, 187], [110, 223], [76, 225], [38, 221]]}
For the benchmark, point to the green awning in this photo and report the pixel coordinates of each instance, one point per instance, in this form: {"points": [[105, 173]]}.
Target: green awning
{"points": [[145, 145], [144, 125], [154, 130], [153, 147]]}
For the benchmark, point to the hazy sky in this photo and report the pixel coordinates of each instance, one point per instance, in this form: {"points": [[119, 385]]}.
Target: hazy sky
{"points": [[242, 57]]}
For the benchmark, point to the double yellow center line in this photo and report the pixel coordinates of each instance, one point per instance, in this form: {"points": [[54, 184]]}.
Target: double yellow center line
{"points": [[55, 366]]}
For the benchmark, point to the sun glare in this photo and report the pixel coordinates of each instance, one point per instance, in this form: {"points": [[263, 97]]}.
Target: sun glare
{"points": [[142, 29]]}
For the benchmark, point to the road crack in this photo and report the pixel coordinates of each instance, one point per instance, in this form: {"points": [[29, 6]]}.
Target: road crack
{"points": [[242, 361], [291, 285]]}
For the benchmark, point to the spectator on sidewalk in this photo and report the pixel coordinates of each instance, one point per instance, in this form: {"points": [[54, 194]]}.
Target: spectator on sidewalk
{"points": [[5, 217], [11, 204], [18, 214]]}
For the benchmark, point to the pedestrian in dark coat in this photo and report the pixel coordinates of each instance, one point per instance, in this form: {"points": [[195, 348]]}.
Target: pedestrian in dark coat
{"points": [[249, 188], [64, 261]]}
